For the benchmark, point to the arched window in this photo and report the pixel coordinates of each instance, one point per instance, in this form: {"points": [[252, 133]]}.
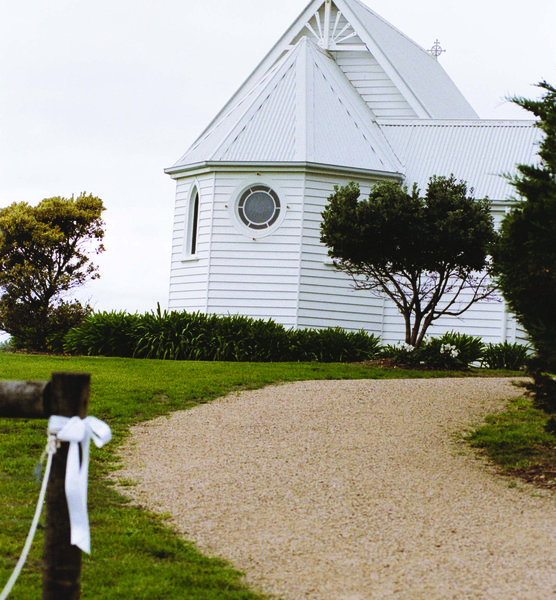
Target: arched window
{"points": [[192, 225]]}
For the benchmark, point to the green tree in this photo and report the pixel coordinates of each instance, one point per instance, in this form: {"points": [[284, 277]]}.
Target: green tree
{"points": [[44, 256], [525, 256], [429, 254]]}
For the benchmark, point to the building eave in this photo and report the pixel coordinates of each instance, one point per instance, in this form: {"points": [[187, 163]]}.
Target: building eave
{"points": [[205, 167]]}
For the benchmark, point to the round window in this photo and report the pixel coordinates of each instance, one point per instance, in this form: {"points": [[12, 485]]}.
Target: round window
{"points": [[259, 207]]}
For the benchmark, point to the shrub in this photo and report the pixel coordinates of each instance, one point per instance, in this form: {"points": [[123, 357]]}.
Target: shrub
{"points": [[173, 336], [506, 355], [524, 258], [6, 345], [451, 351], [469, 348], [333, 345], [197, 336], [104, 334]]}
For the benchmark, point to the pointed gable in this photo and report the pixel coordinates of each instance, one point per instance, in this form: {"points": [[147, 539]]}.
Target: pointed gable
{"points": [[319, 93], [331, 30], [341, 129], [303, 111], [419, 73], [396, 76]]}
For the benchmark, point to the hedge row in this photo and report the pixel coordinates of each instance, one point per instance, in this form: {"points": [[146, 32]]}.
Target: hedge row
{"points": [[197, 336]]}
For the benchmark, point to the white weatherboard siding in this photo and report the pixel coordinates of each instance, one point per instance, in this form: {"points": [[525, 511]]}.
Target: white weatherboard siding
{"points": [[189, 275], [326, 297], [373, 84], [287, 275], [252, 275], [342, 96]]}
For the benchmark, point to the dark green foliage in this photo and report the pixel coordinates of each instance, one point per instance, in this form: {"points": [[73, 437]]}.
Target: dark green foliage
{"points": [[542, 389], [452, 351], [427, 254], [469, 349], [104, 334], [44, 256], [332, 345], [506, 355], [525, 256], [196, 336], [47, 334]]}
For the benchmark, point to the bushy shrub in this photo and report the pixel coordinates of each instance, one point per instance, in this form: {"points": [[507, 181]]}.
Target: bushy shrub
{"points": [[239, 338], [62, 318], [506, 355], [524, 258], [6, 345], [451, 351], [197, 336], [469, 348], [333, 345], [104, 334], [173, 336]]}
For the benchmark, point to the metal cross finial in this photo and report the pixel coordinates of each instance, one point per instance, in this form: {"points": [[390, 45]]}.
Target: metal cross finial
{"points": [[436, 50]]}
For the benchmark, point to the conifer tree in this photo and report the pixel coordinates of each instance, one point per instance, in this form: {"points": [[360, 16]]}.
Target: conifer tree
{"points": [[525, 256]]}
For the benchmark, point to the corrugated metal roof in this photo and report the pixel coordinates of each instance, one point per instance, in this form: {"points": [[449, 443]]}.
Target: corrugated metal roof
{"points": [[480, 152], [422, 74], [421, 80], [268, 133], [305, 111], [339, 135]]}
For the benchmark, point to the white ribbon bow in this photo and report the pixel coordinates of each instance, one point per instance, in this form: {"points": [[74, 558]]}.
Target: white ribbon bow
{"points": [[79, 431]]}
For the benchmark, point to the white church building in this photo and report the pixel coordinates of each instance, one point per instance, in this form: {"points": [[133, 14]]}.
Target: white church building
{"points": [[342, 96]]}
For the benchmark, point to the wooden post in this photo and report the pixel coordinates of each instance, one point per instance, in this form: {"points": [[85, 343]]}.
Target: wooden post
{"points": [[24, 399], [68, 397]]}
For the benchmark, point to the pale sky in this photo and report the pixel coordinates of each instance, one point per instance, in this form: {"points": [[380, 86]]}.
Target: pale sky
{"points": [[101, 96]]}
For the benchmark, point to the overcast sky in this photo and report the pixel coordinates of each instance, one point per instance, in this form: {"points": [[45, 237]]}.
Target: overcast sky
{"points": [[101, 96]]}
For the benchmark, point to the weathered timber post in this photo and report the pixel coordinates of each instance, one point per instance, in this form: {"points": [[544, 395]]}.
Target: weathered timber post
{"points": [[65, 395], [68, 397], [24, 399]]}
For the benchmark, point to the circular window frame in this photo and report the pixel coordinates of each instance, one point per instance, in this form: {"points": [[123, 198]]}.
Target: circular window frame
{"points": [[250, 226]]}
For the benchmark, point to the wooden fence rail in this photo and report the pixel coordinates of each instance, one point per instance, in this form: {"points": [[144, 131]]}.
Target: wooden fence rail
{"points": [[66, 395]]}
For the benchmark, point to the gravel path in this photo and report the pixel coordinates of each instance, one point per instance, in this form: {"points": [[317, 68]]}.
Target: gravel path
{"points": [[350, 490]]}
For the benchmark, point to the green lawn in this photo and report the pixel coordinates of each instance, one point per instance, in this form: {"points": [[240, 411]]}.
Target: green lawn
{"points": [[517, 440], [135, 555]]}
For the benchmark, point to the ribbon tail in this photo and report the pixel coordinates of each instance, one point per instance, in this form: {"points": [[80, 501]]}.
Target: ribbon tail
{"points": [[76, 431], [76, 494]]}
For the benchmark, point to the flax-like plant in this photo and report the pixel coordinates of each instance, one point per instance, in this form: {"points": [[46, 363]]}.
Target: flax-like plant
{"points": [[104, 334], [506, 355], [172, 335]]}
